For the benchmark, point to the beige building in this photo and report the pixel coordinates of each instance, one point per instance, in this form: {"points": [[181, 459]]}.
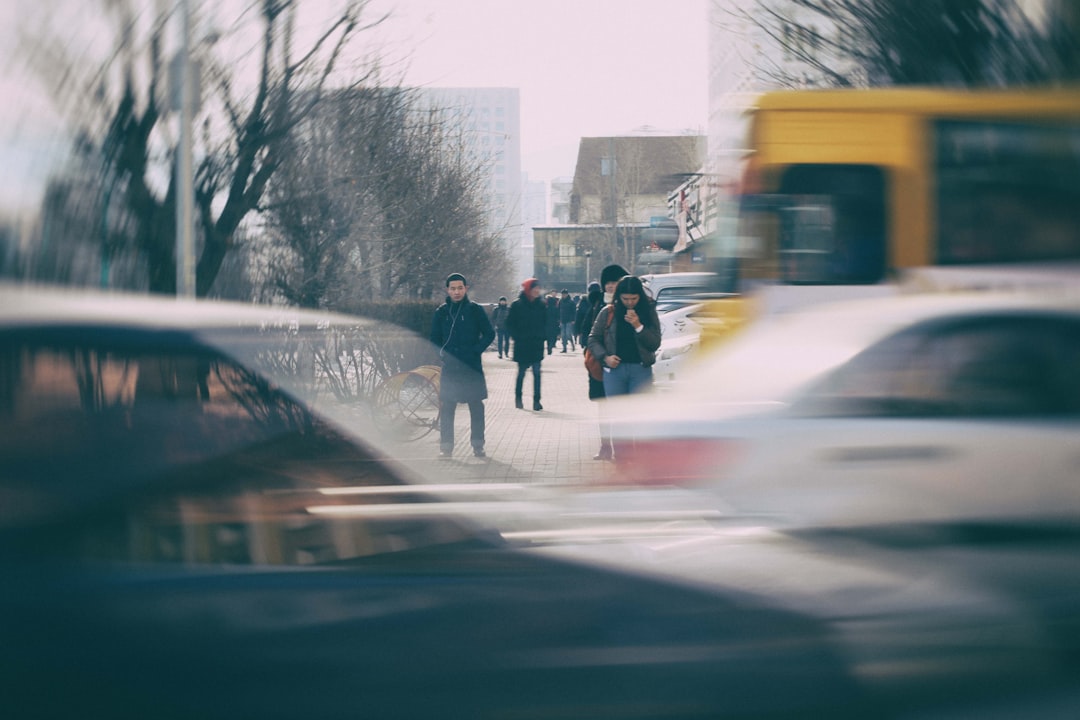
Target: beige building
{"points": [[627, 179]]}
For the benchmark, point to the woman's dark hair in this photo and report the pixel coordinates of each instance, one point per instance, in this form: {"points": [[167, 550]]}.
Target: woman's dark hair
{"points": [[630, 285]]}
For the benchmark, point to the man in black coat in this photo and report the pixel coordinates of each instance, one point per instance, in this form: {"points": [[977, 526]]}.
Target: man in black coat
{"points": [[552, 322], [461, 331], [567, 313], [527, 323]]}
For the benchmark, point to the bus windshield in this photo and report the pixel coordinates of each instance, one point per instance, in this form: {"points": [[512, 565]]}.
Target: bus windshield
{"points": [[826, 225]]}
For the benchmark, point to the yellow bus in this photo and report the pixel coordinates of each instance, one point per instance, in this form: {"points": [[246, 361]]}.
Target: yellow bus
{"points": [[857, 187]]}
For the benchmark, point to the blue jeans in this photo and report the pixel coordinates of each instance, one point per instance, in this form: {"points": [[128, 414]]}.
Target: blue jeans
{"points": [[567, 334], [626, 379], [502, 341]]}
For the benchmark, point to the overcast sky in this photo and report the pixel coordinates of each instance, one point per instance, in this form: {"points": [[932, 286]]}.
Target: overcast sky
{"points": [[584, 67]]}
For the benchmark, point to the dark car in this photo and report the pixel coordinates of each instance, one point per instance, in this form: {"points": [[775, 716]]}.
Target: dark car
{"points": [[199, 518]]}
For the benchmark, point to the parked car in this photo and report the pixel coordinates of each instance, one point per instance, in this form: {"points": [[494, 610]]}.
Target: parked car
{"points": [[679, 319], [199, 518], [680, 338], [672, 357], [666, 286], [912, 407]]}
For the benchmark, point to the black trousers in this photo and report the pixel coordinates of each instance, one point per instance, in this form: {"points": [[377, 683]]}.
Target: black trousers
{"points": [[522, 367], [446, 424]]}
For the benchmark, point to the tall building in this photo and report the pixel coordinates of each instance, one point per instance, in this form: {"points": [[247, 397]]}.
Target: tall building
{"points": [[534, 212], [751, 50], [491, 120]]}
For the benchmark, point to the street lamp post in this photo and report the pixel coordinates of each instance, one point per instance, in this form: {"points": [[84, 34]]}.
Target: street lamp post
{"points": [[588, 274], [185, 211]]}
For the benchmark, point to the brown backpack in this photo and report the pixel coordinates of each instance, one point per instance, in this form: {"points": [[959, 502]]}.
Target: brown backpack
{"points": [[595, 368]]}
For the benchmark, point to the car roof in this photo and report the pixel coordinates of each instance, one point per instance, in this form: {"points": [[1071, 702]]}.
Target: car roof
{"points": [[777, 355], [36, 305]]}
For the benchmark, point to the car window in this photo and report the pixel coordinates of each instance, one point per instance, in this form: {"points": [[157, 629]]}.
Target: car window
{"points": [[178, 454], [1018, 366]]}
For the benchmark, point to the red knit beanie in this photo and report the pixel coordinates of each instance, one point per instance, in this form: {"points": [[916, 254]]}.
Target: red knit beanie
{"points": [[529, 284]]}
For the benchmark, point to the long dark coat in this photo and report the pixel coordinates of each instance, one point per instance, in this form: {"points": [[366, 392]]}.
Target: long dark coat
{"points": [[588, 309], [461, 332], [527, 324], [552, 320]]}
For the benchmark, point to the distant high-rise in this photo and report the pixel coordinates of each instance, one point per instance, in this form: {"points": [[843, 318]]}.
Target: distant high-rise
{"points": [[491, 120], [745, 59], [534, 213]]}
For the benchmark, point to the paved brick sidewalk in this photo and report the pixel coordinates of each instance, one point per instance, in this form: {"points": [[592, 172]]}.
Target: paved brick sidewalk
{"points": [[554, 445]]}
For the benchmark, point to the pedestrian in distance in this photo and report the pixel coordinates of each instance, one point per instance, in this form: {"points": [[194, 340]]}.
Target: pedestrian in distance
{"points": [[567, 311], [552, 322], [527, 323], [461, 331], [624, 338], [498, 321], [582, 318]]}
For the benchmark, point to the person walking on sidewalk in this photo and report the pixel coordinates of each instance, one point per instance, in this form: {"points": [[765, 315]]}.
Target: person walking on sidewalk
{"points": [[567, 311], [552, 322], [626, 345], [527, 323], [462, 331], [498, 320], [600, 295]]}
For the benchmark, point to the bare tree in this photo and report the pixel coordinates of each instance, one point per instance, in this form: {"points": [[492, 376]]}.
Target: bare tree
{"points": [[117, 107], [967, 43], [377, 200]]}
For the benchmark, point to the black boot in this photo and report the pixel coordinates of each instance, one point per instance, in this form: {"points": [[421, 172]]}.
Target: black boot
{"points": [[517, 403], [536, 392], [605, 451]]}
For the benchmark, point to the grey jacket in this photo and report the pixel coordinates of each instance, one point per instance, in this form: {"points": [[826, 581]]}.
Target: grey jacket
{"points": [[602, 335]]}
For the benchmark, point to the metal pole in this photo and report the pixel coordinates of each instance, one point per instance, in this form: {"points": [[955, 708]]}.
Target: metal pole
{"points": [[106, 259], [614, 200], [185, 196]]}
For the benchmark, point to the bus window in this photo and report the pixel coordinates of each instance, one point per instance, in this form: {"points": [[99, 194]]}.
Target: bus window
{"points": [[825, 226], [1007, 192]]}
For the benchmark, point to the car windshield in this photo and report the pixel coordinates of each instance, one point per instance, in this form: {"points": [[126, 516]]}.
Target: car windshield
{"points": [[154, 446]]}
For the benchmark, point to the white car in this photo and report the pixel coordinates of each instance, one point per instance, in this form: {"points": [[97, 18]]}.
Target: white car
{"points": [[913, 408], [668, 286], [680, 338], [673, 357], [679, 320]]}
